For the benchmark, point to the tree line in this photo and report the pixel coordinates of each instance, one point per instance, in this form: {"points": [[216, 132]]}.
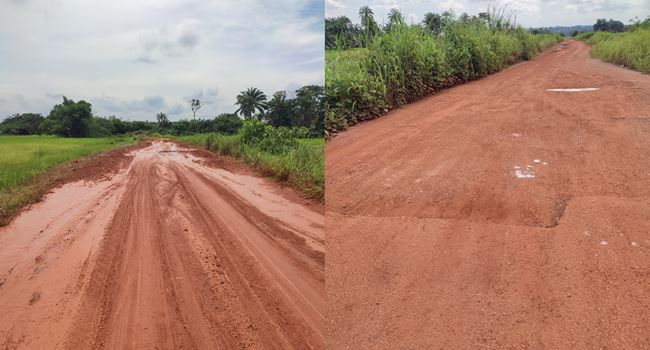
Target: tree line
{"points": [[304, 113], [341, 33], [601, 25]]}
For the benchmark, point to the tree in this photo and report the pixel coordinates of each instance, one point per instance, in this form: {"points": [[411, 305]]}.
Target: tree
{"points": [[368, 23], [227, 123], [162, 119], [279, 110], [309, 108], [21, 124], [395, 18], [601, 25], [433, 22], [119, 126], [366, 15], [195, 105], [604, 25], [249, 101], [341, 33], [68, 119]]}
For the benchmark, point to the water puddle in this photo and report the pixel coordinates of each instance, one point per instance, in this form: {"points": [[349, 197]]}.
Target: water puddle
{"points": [[573, 89]]}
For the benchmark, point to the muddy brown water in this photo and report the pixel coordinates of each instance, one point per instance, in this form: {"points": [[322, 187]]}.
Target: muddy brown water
{"points": [[167, 254], [436, 240]]}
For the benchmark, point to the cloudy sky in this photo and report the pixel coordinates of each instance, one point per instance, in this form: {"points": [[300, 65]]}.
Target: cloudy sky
{"points": [[134, 59], [530, 13]]}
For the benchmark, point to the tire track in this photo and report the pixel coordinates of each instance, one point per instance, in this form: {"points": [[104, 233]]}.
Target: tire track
{"points": [[186, 261]]}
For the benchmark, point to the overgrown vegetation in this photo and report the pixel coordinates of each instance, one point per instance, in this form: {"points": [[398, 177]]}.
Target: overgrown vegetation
{"points": [[25, 159], [630, 48], [279, 152], [385, 68]]}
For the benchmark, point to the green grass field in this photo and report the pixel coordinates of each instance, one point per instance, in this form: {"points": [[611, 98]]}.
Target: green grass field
{"points": [[24, 160], [302, 167]]}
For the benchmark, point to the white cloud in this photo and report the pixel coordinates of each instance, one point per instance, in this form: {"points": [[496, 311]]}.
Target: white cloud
{"points": [[525, 6], [334, 8], [115, 53], [386, 4], [177, 40], [454, 5]]}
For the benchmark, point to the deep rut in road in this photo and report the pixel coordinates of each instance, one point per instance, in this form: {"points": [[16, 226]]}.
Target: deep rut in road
{"points": [[168, 254]]}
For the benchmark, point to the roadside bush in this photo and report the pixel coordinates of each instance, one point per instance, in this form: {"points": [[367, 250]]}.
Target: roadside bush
{"points": [[266, 137], [351, 94], [630, 49], [299, 163]]}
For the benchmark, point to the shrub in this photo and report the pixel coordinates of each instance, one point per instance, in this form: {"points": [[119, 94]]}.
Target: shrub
{"points": [[266, 137]]}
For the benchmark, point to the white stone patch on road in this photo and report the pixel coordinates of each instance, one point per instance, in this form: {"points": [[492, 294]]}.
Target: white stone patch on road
{"points": [[604, 243], [634, 244], [573, 89], [525, 173], [537, 161], [587, 233]]}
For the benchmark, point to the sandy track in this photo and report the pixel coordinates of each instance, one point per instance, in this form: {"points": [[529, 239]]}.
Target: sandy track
{"points": [[437, 240], [168, 254]]}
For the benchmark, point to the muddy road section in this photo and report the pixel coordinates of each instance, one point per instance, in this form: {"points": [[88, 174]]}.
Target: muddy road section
{"points": [[167, 254], [510, 212]]}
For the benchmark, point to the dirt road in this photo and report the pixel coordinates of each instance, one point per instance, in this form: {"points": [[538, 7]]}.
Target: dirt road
{"points": [[168, 254], [496, 215]]}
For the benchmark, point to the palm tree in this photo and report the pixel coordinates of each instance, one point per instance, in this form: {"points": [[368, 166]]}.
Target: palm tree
{"points": [[162, 119], [395, 17], [250, 100], [366, 15], [367, 21], [279, 110]]}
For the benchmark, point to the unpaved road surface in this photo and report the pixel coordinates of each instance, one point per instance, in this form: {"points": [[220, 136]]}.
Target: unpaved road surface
{"points": [[167, 254], [496, 215]]}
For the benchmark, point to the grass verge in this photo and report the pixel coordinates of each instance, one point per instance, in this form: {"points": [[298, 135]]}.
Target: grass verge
{"points": [[300, 166], [630, 49], [30, 165]]}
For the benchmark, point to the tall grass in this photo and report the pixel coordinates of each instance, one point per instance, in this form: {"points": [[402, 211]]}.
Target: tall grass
{"points": [[408, 62], [630, 48], [25, 160], [301, 164]]}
